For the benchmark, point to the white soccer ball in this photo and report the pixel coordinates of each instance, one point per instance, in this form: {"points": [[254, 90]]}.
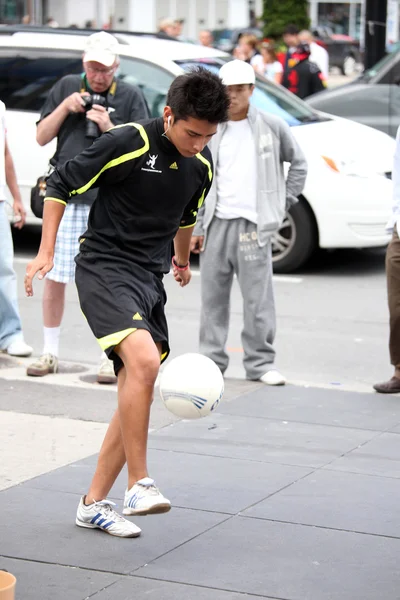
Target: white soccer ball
{"points": [[191, 386]]}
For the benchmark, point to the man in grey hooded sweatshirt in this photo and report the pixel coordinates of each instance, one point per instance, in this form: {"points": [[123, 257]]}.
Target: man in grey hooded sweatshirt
{"points": [[245, 207]]}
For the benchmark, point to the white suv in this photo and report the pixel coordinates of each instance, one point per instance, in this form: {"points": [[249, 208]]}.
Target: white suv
{"points": [[347, 198]]}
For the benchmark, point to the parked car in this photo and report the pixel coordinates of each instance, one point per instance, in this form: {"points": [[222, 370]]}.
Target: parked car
{"points": [[347, 198], [372, 99], [344, 51], [227, 39]]}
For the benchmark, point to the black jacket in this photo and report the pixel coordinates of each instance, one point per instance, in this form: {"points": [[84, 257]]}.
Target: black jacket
{"points": [[302, 77]]}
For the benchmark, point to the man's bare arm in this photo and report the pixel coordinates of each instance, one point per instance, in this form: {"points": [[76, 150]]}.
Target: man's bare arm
{"points": [[49, 127], [43, 263]]}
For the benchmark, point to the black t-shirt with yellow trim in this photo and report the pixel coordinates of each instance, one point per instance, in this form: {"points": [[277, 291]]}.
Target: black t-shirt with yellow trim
{"points": [[147, 191]]}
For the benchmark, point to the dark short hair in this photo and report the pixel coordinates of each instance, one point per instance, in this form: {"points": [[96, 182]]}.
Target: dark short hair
{"points": [[291, 30], [199, 94]]}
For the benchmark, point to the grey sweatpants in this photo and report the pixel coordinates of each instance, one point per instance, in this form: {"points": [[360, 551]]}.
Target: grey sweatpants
{"points": [[232, 248]]}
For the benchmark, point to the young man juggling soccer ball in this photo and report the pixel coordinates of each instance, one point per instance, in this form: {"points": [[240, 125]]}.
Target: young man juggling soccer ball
{"points": [[152, 177]]}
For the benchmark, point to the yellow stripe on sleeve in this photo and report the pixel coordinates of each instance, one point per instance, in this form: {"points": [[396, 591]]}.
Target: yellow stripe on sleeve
{"points": [[207, 163], [121, 159], [187, 226], [55, 200]]}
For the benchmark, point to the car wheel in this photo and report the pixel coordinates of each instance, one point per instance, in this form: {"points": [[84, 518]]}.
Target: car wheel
{"points": [[349, 66], [296, 240]]}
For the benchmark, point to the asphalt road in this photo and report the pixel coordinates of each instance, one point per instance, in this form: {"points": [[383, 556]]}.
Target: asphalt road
{"points": [[332, 319]]}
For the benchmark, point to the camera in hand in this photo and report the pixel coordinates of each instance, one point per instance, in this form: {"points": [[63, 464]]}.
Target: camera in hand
{"points": [[92, 129]]}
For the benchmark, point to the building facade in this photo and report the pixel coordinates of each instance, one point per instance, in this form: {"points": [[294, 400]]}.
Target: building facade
{"points": [[345, 18], [134, 15]]}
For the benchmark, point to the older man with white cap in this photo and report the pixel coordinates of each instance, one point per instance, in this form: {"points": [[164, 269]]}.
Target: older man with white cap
{"points": [[77, 110], [245, 208]]}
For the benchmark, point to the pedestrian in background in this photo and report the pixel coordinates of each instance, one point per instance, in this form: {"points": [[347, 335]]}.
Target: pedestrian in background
{"points": [[179, 23], [247, 47], [301, 76], [393, 281], [167, 29], [65, 116], [11, 336], [318, 54], [291, 39], [246, 206], [206, 38], [267, 64]]}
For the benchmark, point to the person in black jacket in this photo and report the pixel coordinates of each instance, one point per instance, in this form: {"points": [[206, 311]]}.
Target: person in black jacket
{"points": [[302, 77], [152, 178], [77, 110]]}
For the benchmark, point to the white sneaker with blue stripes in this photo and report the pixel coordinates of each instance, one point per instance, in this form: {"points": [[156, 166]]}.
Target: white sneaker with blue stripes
{"points": [[144, 498], [101, 515]]}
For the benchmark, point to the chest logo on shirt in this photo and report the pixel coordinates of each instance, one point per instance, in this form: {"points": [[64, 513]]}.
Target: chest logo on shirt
{"points": [[151, 163], [265, 141]]}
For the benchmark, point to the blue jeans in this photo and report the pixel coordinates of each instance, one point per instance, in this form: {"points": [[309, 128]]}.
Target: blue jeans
{"points": [[10, 321]]}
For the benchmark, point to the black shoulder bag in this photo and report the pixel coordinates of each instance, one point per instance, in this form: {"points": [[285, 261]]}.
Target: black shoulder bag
{"points": [[38, 193]]}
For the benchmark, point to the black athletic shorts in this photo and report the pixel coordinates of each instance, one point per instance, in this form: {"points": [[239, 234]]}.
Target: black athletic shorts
{"points": [[117, 297]]}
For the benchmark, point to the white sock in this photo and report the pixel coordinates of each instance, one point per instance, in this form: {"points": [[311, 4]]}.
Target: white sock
{"points": [[51, 340]]}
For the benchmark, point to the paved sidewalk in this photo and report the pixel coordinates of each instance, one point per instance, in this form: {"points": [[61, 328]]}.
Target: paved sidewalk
{"points": [[289, 493]]}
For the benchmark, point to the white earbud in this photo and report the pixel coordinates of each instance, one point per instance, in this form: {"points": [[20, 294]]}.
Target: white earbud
{"points": [[169, 121]]}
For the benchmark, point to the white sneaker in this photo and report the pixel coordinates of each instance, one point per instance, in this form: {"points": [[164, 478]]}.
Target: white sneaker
{"points": [[45, 364], [273, 377], [145, 498], [19, 348], [106, 374], [101, 515]]}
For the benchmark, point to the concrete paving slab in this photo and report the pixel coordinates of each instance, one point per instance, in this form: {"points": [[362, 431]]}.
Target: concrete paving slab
{"points": [[227, 485], [286, 561], [150, 589], [35, 444], [92, 403], [313, 405], [38, 581], [380, 456], [40, 526], [97, 404], [347, 501], [262, 440]]}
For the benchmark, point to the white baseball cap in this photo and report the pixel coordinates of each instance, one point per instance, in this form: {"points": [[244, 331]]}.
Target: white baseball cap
{"points": [[101, 47], [237, 72]]}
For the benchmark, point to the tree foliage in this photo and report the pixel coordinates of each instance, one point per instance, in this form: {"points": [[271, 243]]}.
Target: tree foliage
{"points": [[278, 14]]}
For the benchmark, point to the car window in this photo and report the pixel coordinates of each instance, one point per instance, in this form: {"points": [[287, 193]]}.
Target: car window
{"points": [[152, 80], [269, 97], [26, 75], [380, 67]]}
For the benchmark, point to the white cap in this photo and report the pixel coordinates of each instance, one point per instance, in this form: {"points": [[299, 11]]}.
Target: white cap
{"points": [[101, 47], [237, 72]]}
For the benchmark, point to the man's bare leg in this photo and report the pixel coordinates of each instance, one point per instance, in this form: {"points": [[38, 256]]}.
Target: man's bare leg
{"points": [[110, 462], [126, 437], [53, 303]]}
